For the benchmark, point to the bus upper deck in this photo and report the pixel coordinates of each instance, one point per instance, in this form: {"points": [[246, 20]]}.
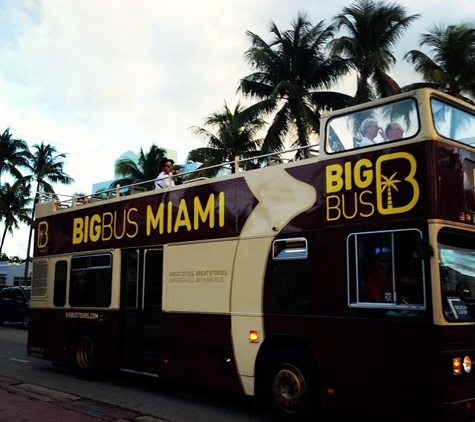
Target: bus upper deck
{"points": [[444, 117]]}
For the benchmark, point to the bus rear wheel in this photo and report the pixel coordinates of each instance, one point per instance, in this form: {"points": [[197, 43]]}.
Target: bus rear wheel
{"points": [[291, 381], [84, 354]]}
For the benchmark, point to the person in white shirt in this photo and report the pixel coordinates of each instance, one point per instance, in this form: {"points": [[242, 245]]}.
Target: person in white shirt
{"points": [[163, 180], [370, 130]]}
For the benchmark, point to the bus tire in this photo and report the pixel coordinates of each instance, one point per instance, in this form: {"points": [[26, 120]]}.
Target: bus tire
{"points": [[291, 381], [85, 354]]}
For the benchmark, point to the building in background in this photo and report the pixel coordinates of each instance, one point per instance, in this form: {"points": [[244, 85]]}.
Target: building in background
{"points": [[13, 274]]}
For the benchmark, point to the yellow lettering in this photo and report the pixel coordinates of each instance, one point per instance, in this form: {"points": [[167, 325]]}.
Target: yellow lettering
{"points": [[221, 209], [169, 216], [182, 217], [95, 228], [334, 178], [363, 178], [78, 230], [348, 183], [343, 206], [335, 206], [107, 220], [124, 222], [132, 223], [86, 229], [154, 221], [369, 204], [208, 212]]}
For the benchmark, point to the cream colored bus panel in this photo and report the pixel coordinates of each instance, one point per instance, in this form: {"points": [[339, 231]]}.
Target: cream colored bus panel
{"points": [[197, 277]]}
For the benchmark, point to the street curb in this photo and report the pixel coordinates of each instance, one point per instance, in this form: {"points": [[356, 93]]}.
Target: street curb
{"points": [[70, 402]]}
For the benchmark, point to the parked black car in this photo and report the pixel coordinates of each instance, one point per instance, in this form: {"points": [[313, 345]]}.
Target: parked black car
{"points": [[15, 305]]}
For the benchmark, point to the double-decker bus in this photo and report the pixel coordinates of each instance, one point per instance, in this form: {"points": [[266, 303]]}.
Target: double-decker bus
{"points": [[257, 282]]}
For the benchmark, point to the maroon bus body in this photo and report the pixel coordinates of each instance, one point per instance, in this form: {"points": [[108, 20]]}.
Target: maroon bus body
{"points": [[368, 363]]}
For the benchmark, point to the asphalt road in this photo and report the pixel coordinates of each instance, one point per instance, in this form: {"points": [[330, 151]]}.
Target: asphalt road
{"points": [[149, 396]]}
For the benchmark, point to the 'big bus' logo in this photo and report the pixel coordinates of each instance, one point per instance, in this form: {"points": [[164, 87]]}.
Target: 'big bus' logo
{"points": [[42, 236], [386, 186]]}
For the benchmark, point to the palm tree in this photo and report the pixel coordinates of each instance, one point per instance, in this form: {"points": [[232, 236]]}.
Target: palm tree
{"points": [[374, 28], [452, 68], [145, 169], [14, 153], [290, 74], [46, 166], [236, 132], [15, 207]]}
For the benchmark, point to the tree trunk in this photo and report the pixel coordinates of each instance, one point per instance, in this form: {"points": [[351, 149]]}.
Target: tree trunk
{"points": [[27, 262]]}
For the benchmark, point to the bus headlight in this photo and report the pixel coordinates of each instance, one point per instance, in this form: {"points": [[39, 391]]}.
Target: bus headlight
{"points": [[462, 366], [467, 364]]}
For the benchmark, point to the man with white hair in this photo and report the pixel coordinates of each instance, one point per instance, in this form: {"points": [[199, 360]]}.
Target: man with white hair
{"points": [[370, 129]]}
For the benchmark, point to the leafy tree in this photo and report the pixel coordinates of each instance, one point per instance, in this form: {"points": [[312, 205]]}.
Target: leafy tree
{"points": [[14, 153], [290, 74], [15, 207], [373, 30], [46, 167], [235, 136], [145, 169], [452, 66]]}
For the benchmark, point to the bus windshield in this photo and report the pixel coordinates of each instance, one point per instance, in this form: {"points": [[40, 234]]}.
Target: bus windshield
{"points": [[385, 123], [457, 273], [453, 123]]}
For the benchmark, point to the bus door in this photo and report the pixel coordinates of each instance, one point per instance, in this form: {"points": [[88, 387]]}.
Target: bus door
{"points": [[141, 309]]}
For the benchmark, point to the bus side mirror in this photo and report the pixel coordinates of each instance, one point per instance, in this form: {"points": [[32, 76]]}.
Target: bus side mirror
{"points": [[423, 249]]}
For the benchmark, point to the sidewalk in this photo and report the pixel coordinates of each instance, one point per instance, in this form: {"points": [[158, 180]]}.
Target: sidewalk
{"points": [[32, 403]]}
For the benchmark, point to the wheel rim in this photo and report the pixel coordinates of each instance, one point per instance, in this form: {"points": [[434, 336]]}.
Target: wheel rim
{"points": [[84, 352], [289, 388]]}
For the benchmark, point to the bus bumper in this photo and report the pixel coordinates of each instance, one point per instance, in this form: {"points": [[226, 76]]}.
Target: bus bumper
{"points": [[460, 411]]}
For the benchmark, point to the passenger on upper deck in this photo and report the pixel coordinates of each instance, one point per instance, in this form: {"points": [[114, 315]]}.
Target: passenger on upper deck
{"points": [[163, 179], [394, 131], [82, 199], [370, 130]]}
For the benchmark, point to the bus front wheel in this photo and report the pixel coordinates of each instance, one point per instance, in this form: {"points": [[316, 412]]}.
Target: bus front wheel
{"points": [[291, 380], [84, 354]]}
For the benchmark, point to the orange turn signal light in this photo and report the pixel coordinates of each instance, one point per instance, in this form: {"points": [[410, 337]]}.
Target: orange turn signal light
{"points": [[254, 336]]}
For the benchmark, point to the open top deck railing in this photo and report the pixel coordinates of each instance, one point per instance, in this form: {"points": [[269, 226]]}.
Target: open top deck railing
{"points": [[265, 160]]}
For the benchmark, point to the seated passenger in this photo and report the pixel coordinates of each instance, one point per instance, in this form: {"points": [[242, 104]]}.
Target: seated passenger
{"points": [[380, 286], [370, 130], [394, 131]]}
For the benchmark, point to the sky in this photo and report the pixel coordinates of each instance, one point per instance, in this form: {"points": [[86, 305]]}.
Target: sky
{"points": [[97, 78]]}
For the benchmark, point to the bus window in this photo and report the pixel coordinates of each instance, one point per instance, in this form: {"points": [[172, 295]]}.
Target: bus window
{"points": [[453, 123], [457, 274], [390, 122], [91, 281], [385, 270], [290, 282], [60, 280]]}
